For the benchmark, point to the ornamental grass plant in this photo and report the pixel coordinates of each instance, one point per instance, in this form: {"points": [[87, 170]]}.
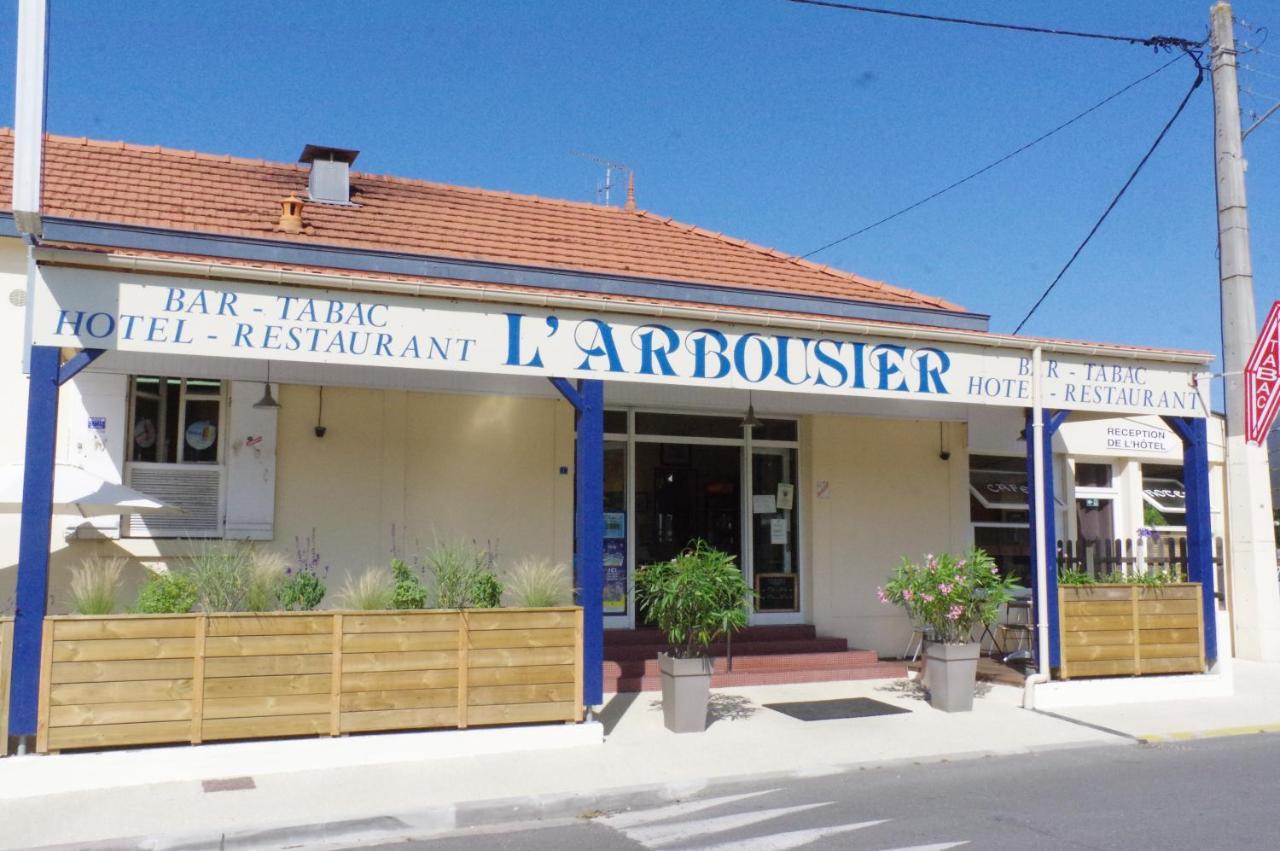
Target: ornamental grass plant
{"points": [[95, 585], [695, 598], [951, 595], [536, 583], [371, 590]]}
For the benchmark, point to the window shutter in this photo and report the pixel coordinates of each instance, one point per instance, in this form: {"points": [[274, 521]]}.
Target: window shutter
{"points": [[250, 461], [93, 434], [196, 489]]}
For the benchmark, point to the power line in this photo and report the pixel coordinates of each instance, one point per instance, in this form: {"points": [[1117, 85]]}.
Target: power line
{"points": [[1155, 41], [1177, 112], [995, 163]]}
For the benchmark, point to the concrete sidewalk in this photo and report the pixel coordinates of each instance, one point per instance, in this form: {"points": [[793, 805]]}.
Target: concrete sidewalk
{"points": [[342, 790]]}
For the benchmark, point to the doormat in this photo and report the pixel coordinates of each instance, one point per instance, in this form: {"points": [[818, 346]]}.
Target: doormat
{"points": [[830, 710]]}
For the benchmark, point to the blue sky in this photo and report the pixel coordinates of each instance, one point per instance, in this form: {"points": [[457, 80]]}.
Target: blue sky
{"points": [[783, 124]]}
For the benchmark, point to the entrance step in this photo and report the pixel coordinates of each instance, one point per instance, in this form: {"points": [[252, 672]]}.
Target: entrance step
{"points": [[762, 655]]}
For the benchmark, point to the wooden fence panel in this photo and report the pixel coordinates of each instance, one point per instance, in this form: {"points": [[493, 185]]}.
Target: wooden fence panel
{"points": [[149, 679], [1131, 630]]}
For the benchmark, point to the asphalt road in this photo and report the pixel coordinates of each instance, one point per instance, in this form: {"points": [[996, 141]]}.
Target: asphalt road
{"points": [[1208, 794]]}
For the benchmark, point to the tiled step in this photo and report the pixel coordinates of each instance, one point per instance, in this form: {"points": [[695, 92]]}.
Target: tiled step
{"points": [[740, 649], [879, 670], [645, 635], [648, 666]]}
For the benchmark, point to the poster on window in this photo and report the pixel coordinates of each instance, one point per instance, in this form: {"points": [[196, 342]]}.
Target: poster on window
{"points": [[615, 576]]}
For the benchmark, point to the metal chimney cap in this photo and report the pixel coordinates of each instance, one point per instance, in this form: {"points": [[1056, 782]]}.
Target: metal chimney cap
{"points": [[311, 153]]}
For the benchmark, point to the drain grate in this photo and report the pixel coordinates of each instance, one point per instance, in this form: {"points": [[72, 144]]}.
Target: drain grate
{"points": [[228, 784], [831, 710]]}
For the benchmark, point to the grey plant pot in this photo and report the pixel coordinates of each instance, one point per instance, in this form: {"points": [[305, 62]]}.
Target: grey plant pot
{"points": [[686, 691], [952, 672]]}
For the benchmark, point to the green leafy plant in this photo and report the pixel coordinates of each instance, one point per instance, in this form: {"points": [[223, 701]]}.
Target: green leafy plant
{"points": [[95, 585], [458, 570], [301, 591], [371, 590], [486, 590], [265, 581], [1074, 576], [536, 583], [167, 593], [1150, 579], [694, 598], [220, 573], [408, 592], [948, 594]]}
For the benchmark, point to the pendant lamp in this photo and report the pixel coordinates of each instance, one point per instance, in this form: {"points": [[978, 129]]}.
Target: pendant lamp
{"points": [[267, 400]]}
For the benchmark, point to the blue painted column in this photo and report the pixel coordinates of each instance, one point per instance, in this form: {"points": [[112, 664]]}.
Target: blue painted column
{"points": [[1051, 422], [1195, 478], [33, 545], [588, 527], [588, 534]]}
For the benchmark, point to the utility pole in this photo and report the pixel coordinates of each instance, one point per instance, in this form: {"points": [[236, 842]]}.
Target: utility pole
{"points": [[1251, 545]]}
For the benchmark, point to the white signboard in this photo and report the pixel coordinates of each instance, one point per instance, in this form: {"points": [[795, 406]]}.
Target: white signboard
{"points": [[169, 315]]}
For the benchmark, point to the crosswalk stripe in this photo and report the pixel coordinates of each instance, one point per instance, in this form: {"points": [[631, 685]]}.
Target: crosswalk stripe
{"points": [[939, 846], [790, 839], [622, 821], [656, 836]]}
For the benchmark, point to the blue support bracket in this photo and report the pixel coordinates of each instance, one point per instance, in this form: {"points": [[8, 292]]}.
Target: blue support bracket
{"points": [[1052, 421], [588, 527], [33, 542], [71, 368], [1194, 432]]}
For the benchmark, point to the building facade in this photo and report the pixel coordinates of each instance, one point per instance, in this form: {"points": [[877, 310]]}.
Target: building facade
{"points": [[556, 380]]}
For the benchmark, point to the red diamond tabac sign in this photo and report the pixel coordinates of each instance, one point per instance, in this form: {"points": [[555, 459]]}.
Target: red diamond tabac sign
{"points": [[1262, 380]]}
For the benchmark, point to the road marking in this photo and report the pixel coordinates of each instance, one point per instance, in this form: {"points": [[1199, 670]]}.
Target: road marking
{"points": [[1189, 735], [790, 839], [638, 817], [656, 836], [939, 846]]}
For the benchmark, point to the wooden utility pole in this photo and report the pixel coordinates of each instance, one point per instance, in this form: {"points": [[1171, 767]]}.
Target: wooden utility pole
{"points": [[1251, 545]]}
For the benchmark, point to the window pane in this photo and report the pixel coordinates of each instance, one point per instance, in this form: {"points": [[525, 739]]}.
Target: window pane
{"points": [[615, 528], [200, 438], [1010, 547], [203, 387], [1164, 497], [776, 430], [688, 425], [615, 422], [1093, 475], [145, 443], [774, 529], [997, 490]]}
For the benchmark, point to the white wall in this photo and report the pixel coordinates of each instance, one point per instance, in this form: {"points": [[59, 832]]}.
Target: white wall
{"points": [[889, 495]]}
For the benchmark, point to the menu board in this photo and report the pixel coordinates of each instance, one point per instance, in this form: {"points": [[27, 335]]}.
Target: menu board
{"points": [[777, 592], [615, 563]]}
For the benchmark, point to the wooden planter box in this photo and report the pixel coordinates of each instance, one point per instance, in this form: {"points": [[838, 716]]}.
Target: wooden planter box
{"points": [[6, 667], [147, 679], [1117, 630]]}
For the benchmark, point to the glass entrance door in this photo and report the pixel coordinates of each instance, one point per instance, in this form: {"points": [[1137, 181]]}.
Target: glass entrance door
{"points": [[774, 530], [685, 492]]}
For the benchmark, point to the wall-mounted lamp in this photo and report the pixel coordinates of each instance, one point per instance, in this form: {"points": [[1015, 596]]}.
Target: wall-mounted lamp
{"points": [[944, 449], [320, 429]]}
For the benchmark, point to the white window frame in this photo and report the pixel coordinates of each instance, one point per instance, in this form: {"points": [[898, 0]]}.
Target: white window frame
{"points": [[127, 527]]}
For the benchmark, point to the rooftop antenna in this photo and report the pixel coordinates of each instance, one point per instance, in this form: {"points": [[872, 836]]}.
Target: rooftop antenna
{"points": [[604, 190]]}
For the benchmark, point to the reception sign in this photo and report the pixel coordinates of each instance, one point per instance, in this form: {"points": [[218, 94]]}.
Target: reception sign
{"points": [[178, 316]]}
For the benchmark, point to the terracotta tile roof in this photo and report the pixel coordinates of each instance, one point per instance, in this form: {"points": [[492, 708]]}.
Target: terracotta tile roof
{"points": [[186, 190]]}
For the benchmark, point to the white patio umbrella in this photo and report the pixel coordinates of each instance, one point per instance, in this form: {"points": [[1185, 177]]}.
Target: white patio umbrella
{"points": [[77, 491]]}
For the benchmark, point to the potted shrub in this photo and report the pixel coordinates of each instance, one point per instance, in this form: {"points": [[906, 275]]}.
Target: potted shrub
{"points": [[953, 597], [694, 598]]}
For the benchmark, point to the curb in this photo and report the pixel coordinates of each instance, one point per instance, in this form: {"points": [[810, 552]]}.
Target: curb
{"points": [[1218, 733], [528, 809]]}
